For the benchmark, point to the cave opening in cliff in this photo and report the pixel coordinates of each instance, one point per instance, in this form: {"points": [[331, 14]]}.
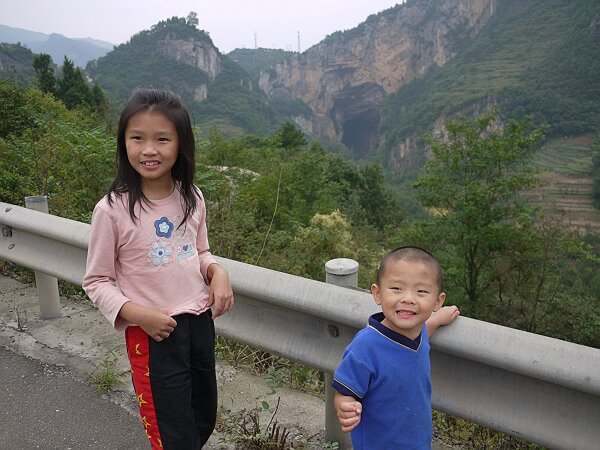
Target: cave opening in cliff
{"points": [[360, 132]]}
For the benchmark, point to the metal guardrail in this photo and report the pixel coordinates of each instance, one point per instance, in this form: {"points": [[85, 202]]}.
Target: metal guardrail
{"points": [[537, 388]]}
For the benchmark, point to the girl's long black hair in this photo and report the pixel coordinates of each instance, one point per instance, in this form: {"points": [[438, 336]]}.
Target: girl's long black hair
{"points": [[128, 180]]}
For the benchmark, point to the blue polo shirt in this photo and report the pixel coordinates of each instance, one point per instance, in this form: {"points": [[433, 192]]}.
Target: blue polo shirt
{"points": [[390, 375]]}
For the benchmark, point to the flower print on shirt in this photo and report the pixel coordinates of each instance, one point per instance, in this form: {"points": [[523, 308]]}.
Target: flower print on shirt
{"points": [[163, 227], [160, 253]]}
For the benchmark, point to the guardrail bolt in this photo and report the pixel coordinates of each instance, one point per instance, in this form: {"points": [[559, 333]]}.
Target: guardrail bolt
{"points": [[333, 330]]}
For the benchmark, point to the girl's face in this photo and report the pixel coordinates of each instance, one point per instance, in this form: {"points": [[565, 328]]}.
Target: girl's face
{"points": [[408, 294], [152, 147]]}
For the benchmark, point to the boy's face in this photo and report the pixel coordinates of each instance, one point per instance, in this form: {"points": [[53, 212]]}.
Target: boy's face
{"points": [[408, 294]]}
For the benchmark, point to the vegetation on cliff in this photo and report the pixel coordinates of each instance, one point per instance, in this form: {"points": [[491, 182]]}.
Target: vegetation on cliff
{"points": [[231, 97], [255, 60], [283, 202], [540, 59]]}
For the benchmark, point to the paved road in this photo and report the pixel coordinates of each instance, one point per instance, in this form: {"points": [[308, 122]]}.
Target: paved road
{"points": [[46, 407], [45, 404]]}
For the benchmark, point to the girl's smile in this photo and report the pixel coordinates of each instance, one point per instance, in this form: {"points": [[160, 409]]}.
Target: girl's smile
{"points": [[152, 147]]}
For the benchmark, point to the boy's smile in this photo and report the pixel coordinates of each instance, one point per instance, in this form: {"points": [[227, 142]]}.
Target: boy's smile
{"points": [[408, 294]]}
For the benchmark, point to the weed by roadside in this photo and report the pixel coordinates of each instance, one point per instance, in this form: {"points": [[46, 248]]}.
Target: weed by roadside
{"points": [[459, 433], [245, 431], [278, 371], [106, 377]]}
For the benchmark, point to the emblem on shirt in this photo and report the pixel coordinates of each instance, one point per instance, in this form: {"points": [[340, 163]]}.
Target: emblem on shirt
{"points": [[173, 244], [163, 227], [185, 251]]}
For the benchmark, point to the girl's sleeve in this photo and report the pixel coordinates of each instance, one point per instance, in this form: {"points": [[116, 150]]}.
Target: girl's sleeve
{"points": [[100, 277], [204, 255]]}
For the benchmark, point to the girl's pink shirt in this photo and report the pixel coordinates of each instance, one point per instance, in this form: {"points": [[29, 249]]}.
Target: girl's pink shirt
{"points": [[150, 262]]}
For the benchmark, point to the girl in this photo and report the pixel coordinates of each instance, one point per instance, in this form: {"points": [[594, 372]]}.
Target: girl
{"points": [[151, 273]]}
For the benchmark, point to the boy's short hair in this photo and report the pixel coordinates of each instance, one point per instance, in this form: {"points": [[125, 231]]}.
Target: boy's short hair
{"points": [[411, 253]]}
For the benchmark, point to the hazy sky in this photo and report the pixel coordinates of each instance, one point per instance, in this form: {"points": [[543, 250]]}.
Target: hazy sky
{"points": [[231, 23]]}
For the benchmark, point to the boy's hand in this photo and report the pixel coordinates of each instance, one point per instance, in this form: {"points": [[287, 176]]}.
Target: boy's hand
{"points": [[348, 411], [443, 316], [446, 314], [154, 322], [219, 291]]}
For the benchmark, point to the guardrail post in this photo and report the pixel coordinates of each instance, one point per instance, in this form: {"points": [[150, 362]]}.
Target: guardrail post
{"points": [[47, 286], [340, 272]]}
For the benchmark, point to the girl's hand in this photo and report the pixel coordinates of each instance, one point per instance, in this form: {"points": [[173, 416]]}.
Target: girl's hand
{"points": [[220, 293], [154, 322]]}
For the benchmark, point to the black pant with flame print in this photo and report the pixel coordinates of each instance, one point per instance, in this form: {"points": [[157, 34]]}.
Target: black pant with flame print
{"points": [[175, 382]]}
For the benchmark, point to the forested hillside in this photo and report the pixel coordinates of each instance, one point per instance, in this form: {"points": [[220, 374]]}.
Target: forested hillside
{"points": [[177, 55], [540, 58], [16, 64], [283, 202]]}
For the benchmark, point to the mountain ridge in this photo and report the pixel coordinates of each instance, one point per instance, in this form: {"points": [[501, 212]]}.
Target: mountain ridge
{"points": [[377, 88], [78, 50]]}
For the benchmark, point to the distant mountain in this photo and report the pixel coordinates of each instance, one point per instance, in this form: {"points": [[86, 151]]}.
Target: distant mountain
{"points": [[176, 55], [80, 50], [377, 88], [380, 86], [254, 61], [12, 35], [16, 64]]}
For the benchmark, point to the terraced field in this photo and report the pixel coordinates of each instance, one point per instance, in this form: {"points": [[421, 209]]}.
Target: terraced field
{"points": [[566, 190]]}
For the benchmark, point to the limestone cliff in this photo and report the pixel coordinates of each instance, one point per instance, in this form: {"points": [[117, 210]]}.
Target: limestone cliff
{"points": [[177, 55], [192, 52], [344, 78]]}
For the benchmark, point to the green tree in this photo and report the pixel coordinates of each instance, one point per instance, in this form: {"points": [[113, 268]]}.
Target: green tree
{"points": [[14, 119], [376, 199], [289, 137], [55, 152], [192, 19], [44, 73], [72, 89], [328, 236], [596, 170], [504, 261], [99, 100], [473, 182]]}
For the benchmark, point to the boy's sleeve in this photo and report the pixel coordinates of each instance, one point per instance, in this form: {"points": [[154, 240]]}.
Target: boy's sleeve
{"points": [[204, 255], [352, 377], [100, 277]]}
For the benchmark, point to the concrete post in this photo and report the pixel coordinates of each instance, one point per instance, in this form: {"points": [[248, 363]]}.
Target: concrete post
{"points": [[47, 286], [340, 272]]}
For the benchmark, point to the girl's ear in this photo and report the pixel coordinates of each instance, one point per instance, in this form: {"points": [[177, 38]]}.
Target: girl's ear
{"points": [[439, 301], [376, 293]]}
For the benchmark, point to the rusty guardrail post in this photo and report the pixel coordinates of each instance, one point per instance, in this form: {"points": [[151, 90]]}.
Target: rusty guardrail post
{"points": [[341, 272], [47, 286]]}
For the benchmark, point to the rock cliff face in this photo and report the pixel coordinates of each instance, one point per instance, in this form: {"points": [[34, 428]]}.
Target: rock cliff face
{"points": [[405, 155], [195, 53], [344, 78], [192, 52]]}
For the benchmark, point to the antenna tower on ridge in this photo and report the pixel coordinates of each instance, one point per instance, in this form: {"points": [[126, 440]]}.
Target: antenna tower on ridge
{"points": [[298, 41], [255, 40]]}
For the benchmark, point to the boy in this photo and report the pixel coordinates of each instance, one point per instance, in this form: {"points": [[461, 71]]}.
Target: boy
{"points": [[383, 382]]}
